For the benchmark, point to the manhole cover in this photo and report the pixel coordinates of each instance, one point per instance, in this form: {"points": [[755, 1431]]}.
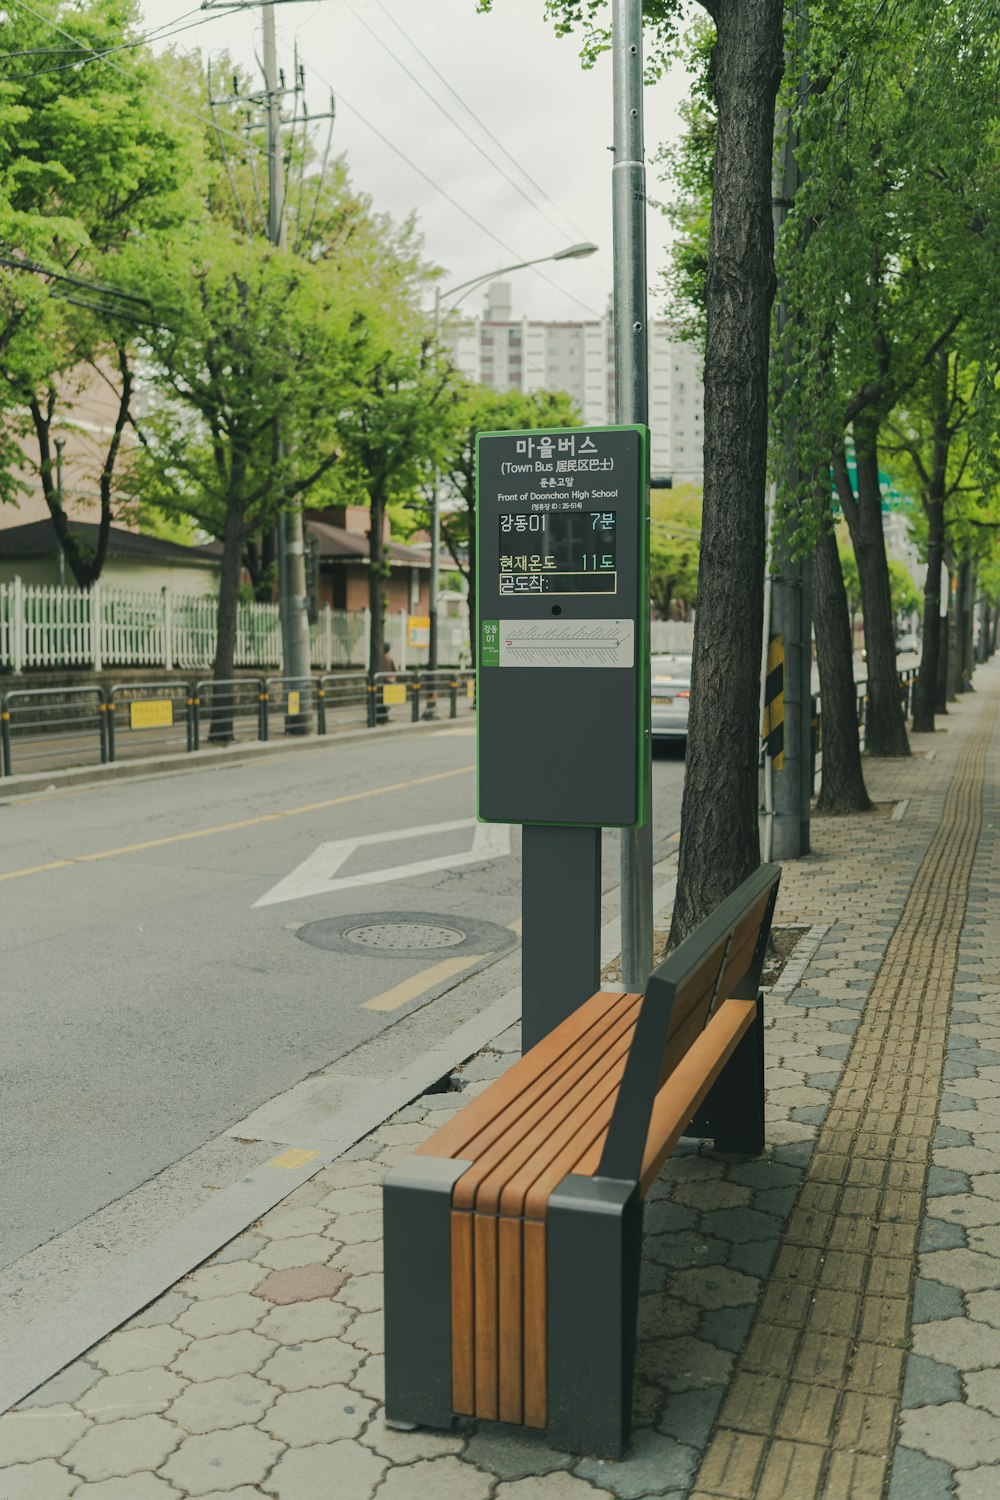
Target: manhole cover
{"points": [[404, 935]]}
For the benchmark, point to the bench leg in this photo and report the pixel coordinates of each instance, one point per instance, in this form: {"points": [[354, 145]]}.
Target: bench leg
{"points": [[416, 1212], [593, 1249], [735, 1106]]}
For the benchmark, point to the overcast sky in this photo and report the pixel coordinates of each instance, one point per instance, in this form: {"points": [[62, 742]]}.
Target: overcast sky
{"points": [[524, 85]]}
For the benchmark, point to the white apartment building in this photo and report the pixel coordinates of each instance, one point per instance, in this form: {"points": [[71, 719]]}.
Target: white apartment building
{"points": [[514, 354]]}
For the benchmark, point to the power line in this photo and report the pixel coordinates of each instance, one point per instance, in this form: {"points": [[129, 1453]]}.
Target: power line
{"points": [[508, 249], [157, 33], [451, 118], [486, 129], [171, 99]]}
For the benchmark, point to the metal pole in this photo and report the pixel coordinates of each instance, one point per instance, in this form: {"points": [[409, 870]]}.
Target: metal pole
{"points": [[293, 608], [791, 587], [430, 710], [60, 554], [628, 180]]}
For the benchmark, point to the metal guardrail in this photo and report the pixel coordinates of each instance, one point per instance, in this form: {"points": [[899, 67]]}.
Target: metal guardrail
{"points": [[421, 691], [143, 714], [134, 717], [222, 709], [36, 717]]}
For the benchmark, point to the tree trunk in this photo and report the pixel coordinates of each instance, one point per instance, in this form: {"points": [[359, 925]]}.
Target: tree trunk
{"points": [[953, 669], [925, 693], [885, 732], [843, 787], [224, 665], [376, 584], [966, 596], [719, 831]]}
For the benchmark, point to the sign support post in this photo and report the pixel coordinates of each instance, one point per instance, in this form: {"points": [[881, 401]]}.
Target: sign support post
{"points": [[563, 701], [628, 198]]}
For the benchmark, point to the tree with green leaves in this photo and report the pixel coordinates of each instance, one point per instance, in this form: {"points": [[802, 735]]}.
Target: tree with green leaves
{"points": [[887, 253], [674, 548], [92, 156], [743, 65], [479, 409]]}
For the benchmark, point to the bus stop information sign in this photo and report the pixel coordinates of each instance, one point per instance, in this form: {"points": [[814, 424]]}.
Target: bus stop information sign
{"points": [[562, 708]]}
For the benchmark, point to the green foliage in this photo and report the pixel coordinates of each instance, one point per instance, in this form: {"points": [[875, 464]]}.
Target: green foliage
{"points": [[674, 547], [906, 597], [590, 18]]}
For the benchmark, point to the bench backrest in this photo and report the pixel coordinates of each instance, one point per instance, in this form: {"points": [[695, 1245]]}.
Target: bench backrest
{"points": [[721, 959]]}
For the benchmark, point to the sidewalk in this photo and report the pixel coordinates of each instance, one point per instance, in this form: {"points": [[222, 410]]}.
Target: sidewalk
{"points": [[812, 1324]]}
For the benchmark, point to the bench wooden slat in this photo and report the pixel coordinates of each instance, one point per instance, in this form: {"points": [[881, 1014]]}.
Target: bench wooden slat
{"points": [[484, 1240], [452, 1138], [482, 1185], [463, 1324], [510, 1322], [676, 1105], [547, 1096], [535, 1350]]}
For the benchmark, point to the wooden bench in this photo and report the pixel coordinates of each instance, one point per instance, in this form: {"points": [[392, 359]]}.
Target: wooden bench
{"points": [[513, 1235]]}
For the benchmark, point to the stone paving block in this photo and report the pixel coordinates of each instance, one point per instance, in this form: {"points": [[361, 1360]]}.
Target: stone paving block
{"points": [[143, 1486], [211, 1315], [714, 1287], [551, 1487], [303, 1322], [324, 1362], [300, 1250], [63, 1389], [982, 1388], [224, 1354], [407, 1447], [42, 1433], [369, 1378], [164, 1310], [985, 1239], [364, 1198], [45, 1480], [140, 1349], [284, 1223], [359, 1260], [243, 1247], [308, 1283], [239, 1456], [940, 1234], [985, 1307], [653, 1465], [222, 1279], [727, 1327], [299, 1418], [214, 1405], [968, 1270], [688, 1416], [665, 1317], [933, 1302], [978, 1484], [365, 1293], [345, 1173], [367, 1332], [960, 1435], [731, 1464], [447, 1478], [119, 1448], [133, 1395], [685, 1364], [326, 1469], [865, 1422]]}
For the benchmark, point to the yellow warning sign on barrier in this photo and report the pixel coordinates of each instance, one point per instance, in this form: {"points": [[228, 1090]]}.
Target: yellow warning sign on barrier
{"points": [[418, 630], [470, 688], [394, 692], [151, 713], [294, 701]]}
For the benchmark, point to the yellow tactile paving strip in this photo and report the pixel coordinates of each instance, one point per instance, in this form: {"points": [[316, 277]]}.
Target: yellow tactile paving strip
{"points": [[811, 1410]]}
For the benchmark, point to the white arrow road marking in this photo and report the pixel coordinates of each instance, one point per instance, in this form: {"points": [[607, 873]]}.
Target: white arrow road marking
{"points": [[317, 875]]}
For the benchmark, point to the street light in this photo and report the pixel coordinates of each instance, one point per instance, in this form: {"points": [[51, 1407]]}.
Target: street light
{"points": [[571, 252]]}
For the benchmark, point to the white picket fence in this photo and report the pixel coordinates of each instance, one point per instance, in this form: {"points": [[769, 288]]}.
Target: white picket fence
{"points": [[43, 625]]}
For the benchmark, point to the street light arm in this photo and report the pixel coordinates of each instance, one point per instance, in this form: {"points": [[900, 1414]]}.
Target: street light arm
{"points": [[572, 252]]}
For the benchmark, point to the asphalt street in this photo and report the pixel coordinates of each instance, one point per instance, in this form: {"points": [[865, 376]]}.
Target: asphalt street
{"points": [[179, 950]]}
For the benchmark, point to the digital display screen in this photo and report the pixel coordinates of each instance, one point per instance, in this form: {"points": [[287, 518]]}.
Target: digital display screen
{"points": [[558, 552]]}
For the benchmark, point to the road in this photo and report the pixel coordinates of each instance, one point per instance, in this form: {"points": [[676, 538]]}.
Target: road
{"points": [[178, 950]]}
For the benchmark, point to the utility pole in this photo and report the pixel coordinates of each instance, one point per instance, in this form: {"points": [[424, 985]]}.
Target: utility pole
{"points": [[790, 591], [292, 603], [628, 193]]}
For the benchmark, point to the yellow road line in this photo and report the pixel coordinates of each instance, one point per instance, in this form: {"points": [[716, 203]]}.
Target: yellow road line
{"points": [[411, 988], [202, 833]]}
